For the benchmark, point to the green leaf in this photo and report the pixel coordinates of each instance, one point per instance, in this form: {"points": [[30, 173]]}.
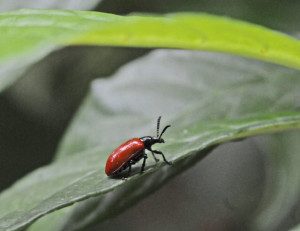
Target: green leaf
{"points": [[208, 99], [51, 222], [297, 228], [29, 35]]}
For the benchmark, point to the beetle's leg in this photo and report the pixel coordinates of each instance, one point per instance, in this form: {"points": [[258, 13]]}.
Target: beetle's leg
{"points": [[160, 153], [156, 159], [144, 163], [129, 168], [131, 162]]}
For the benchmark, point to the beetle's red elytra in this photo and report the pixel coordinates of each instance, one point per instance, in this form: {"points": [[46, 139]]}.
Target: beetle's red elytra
{"points": [[132, 151], [121, 155]]}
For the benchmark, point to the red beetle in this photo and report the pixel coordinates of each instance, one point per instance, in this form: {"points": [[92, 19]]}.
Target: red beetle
{"points": [[132, 151]]}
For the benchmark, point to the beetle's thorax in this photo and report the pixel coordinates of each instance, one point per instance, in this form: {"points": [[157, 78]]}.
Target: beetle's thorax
{"points": [[150, 140]]}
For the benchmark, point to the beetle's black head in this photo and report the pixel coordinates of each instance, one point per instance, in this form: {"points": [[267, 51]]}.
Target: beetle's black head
{"points": [[150, 140]]}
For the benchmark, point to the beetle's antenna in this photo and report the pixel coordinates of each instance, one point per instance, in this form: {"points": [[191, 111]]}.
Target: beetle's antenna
{"points": [[157, 127], [163, 131]]}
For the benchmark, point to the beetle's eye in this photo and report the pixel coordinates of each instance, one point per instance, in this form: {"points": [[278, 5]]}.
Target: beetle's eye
{"points": [[162, 140]]}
